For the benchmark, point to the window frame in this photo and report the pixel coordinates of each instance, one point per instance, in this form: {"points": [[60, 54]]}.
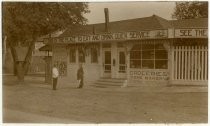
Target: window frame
{"points": [[70, 54], [92, 52], [138, 48], [79, 56]]}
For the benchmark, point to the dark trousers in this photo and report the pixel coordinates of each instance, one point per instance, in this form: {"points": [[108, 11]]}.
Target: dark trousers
{"points": [[81, 83], [55, 80]]}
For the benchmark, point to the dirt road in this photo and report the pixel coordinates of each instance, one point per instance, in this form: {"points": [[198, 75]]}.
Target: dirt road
{"points": [[37, 102], [95, 105]]}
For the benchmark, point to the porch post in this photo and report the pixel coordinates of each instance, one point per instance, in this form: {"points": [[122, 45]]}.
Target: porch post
{"points": [[114, 67], [128, 48], [77, 54], [101, 60], [170, 63]]}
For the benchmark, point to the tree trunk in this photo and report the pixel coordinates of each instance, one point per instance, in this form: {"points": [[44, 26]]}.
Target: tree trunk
{"points": [[20, 71], [21, 67], [18, 66], [14, 56], [28, 58], [4, 51]]}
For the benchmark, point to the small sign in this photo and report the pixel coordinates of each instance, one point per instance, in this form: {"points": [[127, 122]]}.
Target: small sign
{"points": [[191, 33]]}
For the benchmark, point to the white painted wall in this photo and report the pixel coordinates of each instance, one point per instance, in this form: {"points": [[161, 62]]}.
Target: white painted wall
{"points": [[91, 70]]}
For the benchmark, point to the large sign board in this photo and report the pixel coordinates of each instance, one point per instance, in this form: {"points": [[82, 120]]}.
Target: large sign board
{"points": [[191, 33], [132, 35]]}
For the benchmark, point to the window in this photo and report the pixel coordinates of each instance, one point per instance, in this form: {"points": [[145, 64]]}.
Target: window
{"points": [[72, 56], [122, 65], [149, 56], [94, 56], [81, 56]]}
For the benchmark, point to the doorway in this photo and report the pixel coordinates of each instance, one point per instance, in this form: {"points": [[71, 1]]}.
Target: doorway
{"points": [[107, 63], [121, 64]]}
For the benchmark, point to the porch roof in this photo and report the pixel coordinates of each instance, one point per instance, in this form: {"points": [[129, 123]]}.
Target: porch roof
{"points": [[46, 48], [153, 22], [139, 24]]}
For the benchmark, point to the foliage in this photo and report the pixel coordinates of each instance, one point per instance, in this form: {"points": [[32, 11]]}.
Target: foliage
{"points": [[24, 22], [29, 20], [189, 10]]}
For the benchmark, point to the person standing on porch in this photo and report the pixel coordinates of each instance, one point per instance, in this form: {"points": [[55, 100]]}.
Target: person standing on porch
{"points": [[55, 75], [80, 76]]}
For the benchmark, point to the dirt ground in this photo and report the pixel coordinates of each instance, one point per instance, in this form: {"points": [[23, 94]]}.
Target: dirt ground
{"points": [[96, 105]]}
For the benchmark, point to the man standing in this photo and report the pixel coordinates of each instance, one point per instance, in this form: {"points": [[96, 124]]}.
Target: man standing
{"points": [[80, 76], [55, 75]]}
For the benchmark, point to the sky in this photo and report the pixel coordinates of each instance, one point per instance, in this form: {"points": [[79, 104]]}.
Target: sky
{"points": [[128, 10]]}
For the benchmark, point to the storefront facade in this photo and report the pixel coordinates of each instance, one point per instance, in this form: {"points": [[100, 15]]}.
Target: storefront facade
{"points": [[165, 53]]}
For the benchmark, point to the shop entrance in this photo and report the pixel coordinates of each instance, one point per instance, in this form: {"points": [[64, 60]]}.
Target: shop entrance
{"points": [[121, 64], [107, 63]]}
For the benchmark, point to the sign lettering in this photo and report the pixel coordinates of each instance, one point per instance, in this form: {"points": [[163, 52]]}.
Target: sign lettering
{"points": [[191, 33], [149, 75], [134, 35]]}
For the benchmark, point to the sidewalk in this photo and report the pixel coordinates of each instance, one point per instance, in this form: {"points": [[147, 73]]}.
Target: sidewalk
{"points": [[39, 82], [160, 89], [11, 80]]}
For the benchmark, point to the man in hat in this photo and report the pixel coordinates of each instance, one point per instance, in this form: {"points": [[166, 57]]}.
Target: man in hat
{"points": [[55, 75]]}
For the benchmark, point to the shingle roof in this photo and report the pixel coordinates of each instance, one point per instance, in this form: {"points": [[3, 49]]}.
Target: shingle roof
{"points": [[139, 24], [147, 23], [190, 23]]}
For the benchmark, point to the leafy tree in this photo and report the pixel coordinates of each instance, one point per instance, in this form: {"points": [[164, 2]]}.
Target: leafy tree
{"points": [[189, 10], [24, 22]]}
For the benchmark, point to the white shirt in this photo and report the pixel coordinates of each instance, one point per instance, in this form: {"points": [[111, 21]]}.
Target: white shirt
{"points": [[55, 72]]}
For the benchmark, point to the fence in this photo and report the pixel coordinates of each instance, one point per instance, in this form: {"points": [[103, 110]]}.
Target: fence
{"points": [[190, 63]]}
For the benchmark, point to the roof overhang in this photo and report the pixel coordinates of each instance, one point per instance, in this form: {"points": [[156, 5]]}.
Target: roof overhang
{"points": [[46, 48]]}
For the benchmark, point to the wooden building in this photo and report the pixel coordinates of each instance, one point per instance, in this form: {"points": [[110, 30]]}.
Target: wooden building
{"points": [[149, 50]]}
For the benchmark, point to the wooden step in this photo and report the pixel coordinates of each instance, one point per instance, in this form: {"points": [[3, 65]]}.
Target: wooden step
{"points": [[111, 80], [108, 82]]}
